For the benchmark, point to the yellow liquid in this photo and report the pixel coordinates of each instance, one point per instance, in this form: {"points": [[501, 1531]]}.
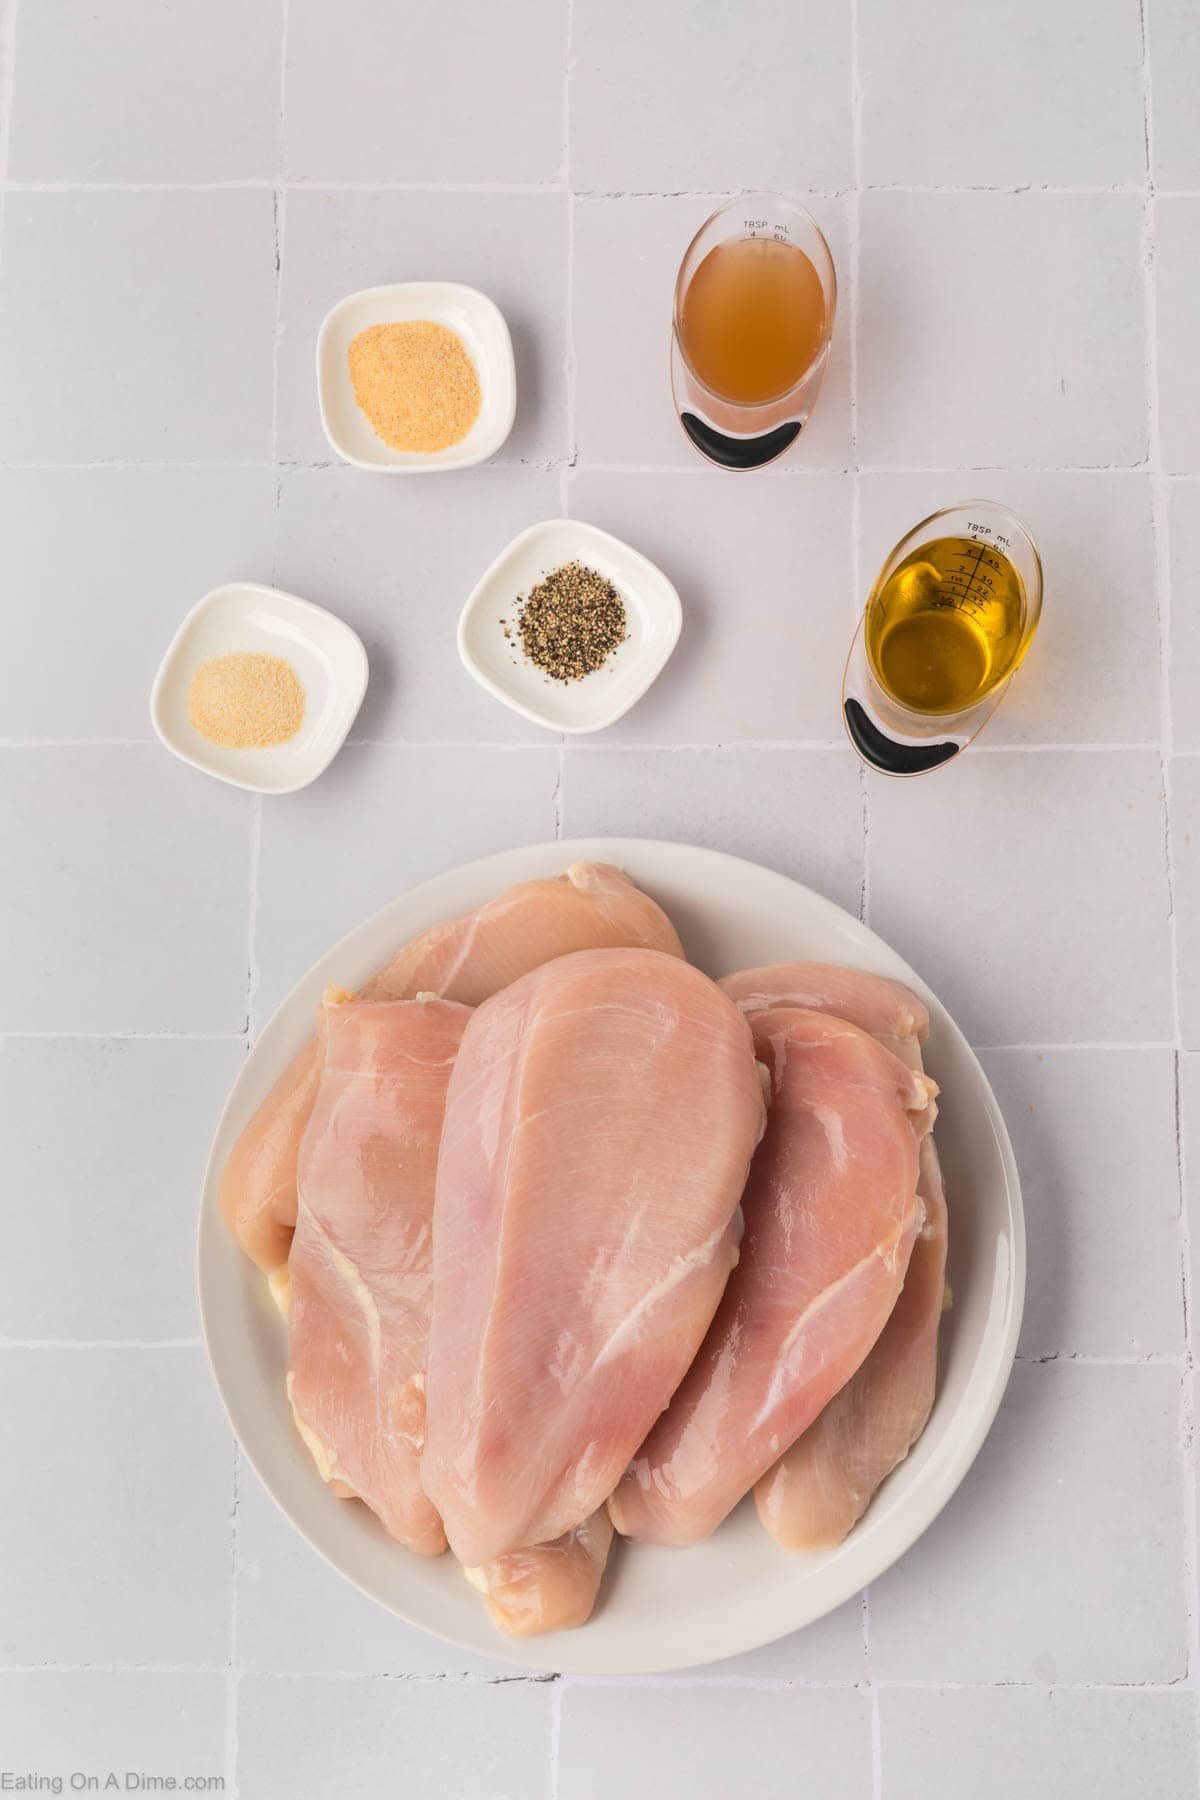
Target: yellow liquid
{"points": [[947, 625], [752, 319]]}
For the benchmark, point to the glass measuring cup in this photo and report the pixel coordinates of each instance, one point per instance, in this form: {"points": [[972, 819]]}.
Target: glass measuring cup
{"points": [[755, 299], [950, 616]]}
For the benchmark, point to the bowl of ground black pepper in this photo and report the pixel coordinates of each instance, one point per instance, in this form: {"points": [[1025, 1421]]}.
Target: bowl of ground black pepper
{"points": [[415, 377], [259, 688], [570, 626]]}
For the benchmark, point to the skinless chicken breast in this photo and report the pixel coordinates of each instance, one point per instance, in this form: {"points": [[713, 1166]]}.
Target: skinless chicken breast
{"points": [[821, 1487], [831, 1212], [466, 959], [550, 1587], [361, 1274], [600, 1122]]}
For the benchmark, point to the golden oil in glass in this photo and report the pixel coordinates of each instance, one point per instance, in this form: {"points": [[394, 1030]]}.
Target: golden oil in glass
{"points": [[947, 625]]}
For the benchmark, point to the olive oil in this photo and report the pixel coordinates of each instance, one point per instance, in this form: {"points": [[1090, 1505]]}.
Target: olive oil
{"points": [[753, 319], [947, 625]]}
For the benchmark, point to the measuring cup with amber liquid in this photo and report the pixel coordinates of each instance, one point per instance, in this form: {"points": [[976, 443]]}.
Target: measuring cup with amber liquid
{"points": [[754, 306], [950, 617]]}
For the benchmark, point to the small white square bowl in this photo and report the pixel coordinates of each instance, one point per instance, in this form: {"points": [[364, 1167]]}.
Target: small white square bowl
{"points": [[600, 699], [328, 658], [478, 322]]}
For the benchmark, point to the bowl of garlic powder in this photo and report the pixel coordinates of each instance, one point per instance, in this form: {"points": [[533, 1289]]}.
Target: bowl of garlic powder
{"points": [[415, 377], [259, 688]]}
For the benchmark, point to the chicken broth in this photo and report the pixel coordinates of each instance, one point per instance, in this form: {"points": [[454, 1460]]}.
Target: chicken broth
{"points": [[753, 319]]}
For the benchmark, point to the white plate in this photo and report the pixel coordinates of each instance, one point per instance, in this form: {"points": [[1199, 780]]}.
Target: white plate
{"points": [[660, 1609], [326, 654], [651, 606], [478, 322]]}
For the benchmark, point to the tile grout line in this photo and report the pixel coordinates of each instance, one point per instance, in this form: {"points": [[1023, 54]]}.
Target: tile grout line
{"points": [[323, 184], [233, 1677], [854, 224], [1160, 522], [233, 1674], [632, 746], [556, 1699], [864, 904], [778, 471], [569, 360], [687, 1681]]}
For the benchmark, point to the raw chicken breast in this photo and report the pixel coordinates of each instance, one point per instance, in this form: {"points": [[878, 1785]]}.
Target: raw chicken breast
{"points": [[831, 1212], [550, 1587], [887, 1009], [822, 1486], [601, 1118], [464, 959], [361, 1261]]}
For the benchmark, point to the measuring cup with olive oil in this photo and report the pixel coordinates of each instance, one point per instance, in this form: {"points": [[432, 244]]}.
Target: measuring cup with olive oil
{"points": [[753, 320], [950, 617]]}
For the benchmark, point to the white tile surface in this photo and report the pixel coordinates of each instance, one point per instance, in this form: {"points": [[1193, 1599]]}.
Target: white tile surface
{"points": [[1173, 28], [1101, 1200], [768, 607], [626, 257], [1185, 846], [450, 805], [284, 1587], [832, 1650], [361, 1740], [645, 1742], [1017, 103], [397, 560], [340, 240], [455, 92], [1022, 1744], [1189, 1109], [136, 324], [1177, 263], [670, 98], [1001, 329], [795, 810], [63, 1723], [125, 903], [1059, 1557], [115, 1501], [1184, 531], [130, 92], [1093, 674], [100, 602], [128, 1168], [987, 881]]}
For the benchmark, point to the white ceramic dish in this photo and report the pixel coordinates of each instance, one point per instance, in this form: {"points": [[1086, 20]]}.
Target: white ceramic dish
{"points": [[326, 654], [659, 1609], [478, 322], [651, 605]]}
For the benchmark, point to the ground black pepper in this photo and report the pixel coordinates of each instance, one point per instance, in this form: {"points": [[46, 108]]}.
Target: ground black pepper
{"points": [[570, 623]]}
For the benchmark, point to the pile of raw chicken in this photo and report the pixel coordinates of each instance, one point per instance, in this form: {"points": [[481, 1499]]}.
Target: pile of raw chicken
{"points": [[571, 1238]]}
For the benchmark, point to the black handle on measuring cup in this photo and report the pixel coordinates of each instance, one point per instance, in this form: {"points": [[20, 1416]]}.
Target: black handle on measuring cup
{"points": [[735, 452], [885, 754]]}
